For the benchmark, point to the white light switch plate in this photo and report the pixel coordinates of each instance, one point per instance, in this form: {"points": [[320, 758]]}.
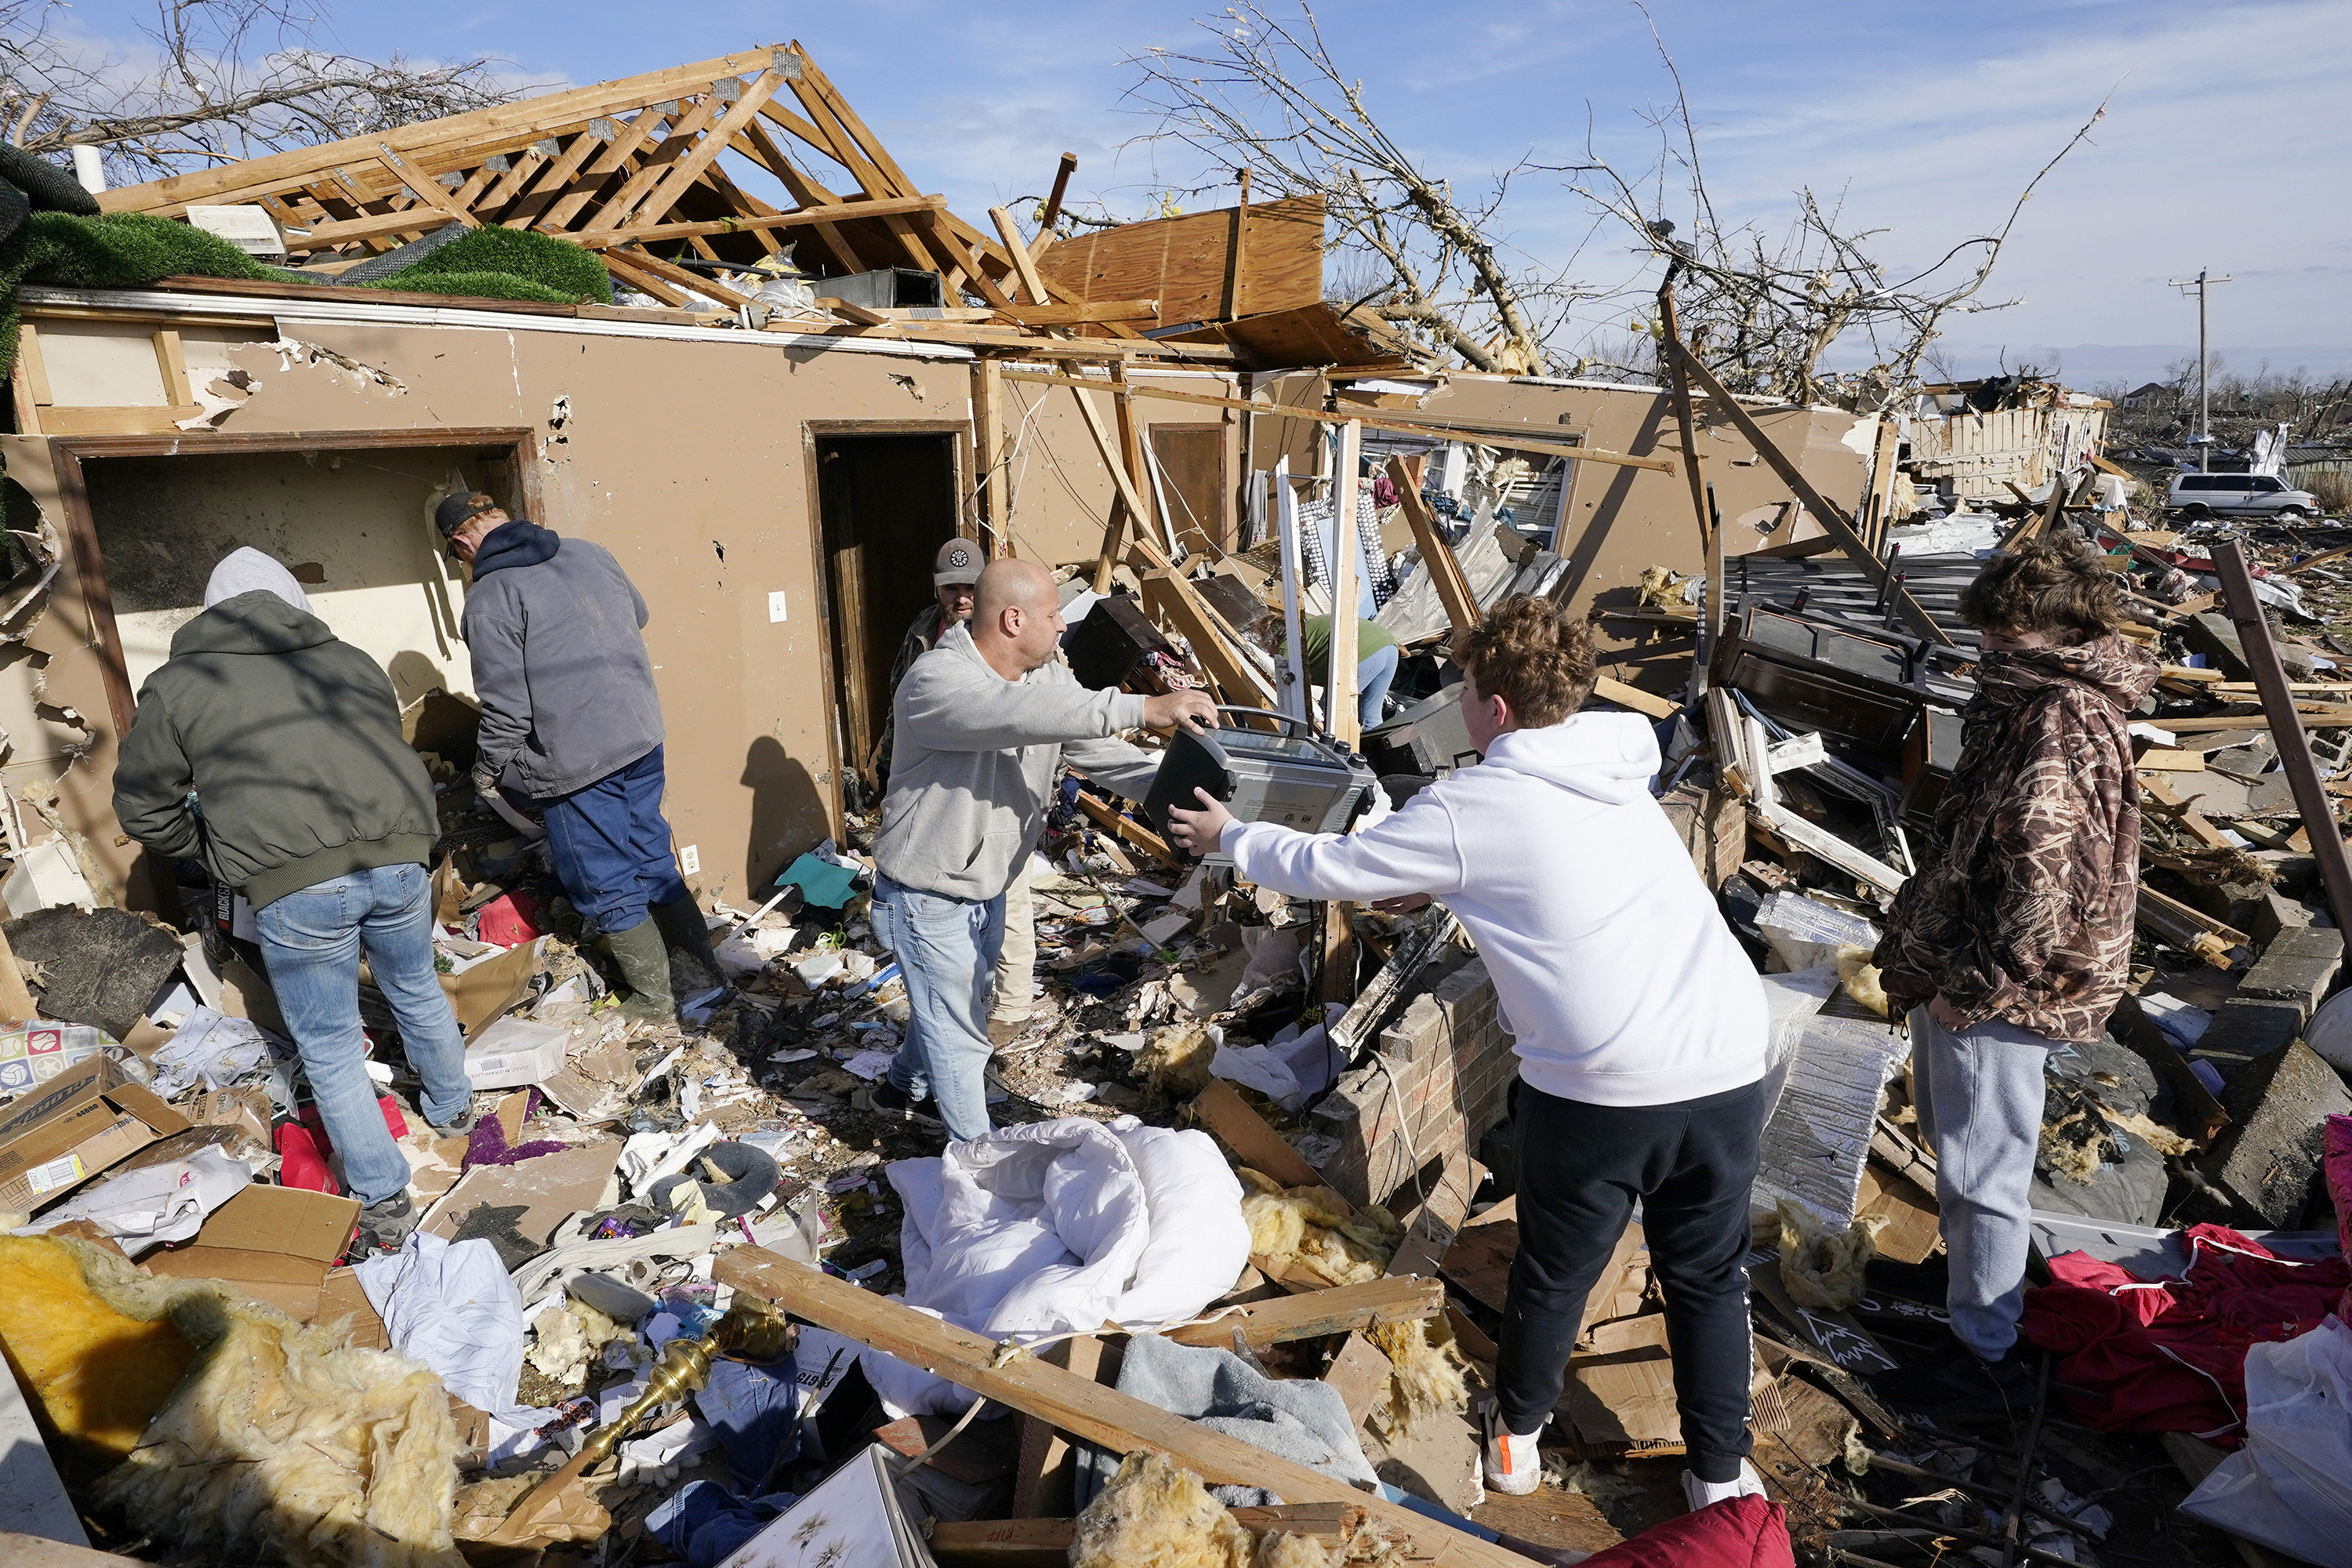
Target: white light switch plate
{"points": [[689, 859], [775, 607]]}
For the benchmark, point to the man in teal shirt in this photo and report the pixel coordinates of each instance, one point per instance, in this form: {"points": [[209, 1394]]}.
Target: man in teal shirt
{"points": [[1376, 666]]}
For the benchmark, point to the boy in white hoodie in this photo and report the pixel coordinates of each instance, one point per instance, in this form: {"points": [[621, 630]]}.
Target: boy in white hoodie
{"points": [[1639, 1022]]}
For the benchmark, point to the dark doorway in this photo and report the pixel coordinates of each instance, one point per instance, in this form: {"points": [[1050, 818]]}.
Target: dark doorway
{"points": [[890, 503], [1192, 460]]}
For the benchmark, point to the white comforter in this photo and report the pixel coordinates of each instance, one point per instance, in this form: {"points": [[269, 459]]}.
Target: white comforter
{"points": [[1062, 1225]]}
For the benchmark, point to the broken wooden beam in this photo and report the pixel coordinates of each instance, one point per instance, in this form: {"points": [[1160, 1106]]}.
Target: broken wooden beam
{"points": [[1343, 1308], [1102, 1416], [2287, 729], [1229, 1119]]}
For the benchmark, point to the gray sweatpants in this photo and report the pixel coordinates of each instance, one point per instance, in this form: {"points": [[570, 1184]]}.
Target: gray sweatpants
{"points": [[1980, 1102]]}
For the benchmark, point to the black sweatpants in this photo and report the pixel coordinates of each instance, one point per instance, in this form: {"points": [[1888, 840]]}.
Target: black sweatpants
{"points": [[1581, 1168]]}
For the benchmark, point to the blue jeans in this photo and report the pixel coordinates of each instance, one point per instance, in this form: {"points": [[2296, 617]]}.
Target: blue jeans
{"points": [[1981, 1096], [1372, 678], [311, 942], [610, 846], [947, 952]]}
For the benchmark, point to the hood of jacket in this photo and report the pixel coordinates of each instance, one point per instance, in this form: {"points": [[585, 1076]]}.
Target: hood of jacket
{"points": [[243, 570], [1608, 757], [519, 543], [2114, 666], [255, 621]]}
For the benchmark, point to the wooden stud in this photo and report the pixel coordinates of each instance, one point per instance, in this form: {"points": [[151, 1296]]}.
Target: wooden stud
{"points": [[762, 150], [1340, 679], [172, 361], [992, 449], [1437, 557], [1111, 820]]}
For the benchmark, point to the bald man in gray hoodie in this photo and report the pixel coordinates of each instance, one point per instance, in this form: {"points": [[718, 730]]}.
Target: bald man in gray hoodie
{"points": [[984, 722]]}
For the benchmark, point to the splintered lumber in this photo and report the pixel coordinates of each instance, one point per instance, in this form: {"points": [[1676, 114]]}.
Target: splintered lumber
{"points": [[1103, 1416], [1111, 820], [1045, 1542], [1229, 1119], [1343, 1308], [2294, 746], [2191, 930]]}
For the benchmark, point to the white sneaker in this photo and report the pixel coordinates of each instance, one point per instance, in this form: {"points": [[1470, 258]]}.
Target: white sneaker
{"points": [[1699, 1494], [1513, 1464]]}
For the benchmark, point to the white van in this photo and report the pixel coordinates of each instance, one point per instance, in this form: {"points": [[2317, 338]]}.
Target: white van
{"points": [[2238, 495]]}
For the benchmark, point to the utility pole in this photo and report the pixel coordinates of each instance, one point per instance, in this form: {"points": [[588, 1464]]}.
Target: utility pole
{"points": [[2204, 402]]}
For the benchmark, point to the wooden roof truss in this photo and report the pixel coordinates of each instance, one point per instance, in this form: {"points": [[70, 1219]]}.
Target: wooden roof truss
{"points": [[636, 170]]}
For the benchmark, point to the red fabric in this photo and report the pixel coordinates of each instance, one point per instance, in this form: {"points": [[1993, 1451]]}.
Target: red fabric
{"points": [[2169, 1355], [510, 919], [393, 1122], [301, 1162], [1744, 1533]]}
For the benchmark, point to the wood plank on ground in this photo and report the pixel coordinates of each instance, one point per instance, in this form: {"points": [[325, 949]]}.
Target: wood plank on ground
{"points": [[1229, 1119], [1339, 1311], [1099, 1415]]}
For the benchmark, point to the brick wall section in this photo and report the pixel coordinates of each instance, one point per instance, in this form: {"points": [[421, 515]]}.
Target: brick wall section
{"points": [[1452, 1066]]}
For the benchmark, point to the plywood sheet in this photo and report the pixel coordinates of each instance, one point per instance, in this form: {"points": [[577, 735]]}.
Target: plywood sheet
{"points": [[1186, 263]]}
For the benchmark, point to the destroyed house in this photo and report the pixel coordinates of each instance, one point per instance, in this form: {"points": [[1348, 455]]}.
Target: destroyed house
{"points": [[772, 487]]}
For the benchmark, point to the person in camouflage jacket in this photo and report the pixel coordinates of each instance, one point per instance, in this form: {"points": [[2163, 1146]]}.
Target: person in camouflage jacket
{"points": [[2015, 935]]}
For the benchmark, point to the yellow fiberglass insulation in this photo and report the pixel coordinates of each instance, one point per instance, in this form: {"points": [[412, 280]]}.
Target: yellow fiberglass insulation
{"points": [[1425, 1373], [95, 1375], [1278, 1548], [281, 1441], [1154, 1515], [1175, 1061], [1860, 979], [1823, 1268], [1315, 1225]]}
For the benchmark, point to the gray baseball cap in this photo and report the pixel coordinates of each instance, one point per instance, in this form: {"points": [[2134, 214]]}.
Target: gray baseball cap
{"points": [[959, 560]]}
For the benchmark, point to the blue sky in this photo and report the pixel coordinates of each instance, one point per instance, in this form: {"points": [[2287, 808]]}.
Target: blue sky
{"points": [[2227, 143]]}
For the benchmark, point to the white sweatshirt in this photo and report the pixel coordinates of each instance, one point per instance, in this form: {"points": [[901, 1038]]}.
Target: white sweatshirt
{"points": [[1613, 967]]}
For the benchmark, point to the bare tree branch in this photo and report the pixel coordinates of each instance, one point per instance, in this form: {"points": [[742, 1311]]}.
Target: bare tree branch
{"points": [[214, 81], [1269, 95]]}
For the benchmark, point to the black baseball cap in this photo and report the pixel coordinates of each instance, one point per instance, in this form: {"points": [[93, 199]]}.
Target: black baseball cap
{"points": [[459, 506]]}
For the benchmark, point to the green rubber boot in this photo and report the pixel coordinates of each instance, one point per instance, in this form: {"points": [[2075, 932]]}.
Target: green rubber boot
{"points": [[688, 935], [643, 958]]}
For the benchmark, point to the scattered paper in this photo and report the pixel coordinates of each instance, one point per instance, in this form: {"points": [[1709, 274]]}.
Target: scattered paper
{"points": [[870, 1065]]}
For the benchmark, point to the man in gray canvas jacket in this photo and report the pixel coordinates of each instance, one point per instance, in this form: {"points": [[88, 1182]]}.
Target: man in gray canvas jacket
{"points": [[984, 722]]}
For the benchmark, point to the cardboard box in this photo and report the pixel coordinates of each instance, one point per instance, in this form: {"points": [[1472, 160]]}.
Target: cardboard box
{"points": [[84, 1120], [273, 1243], [245, 1109], [341, 1300], [481, 995], [1620, 1396], [512, 1052]]}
